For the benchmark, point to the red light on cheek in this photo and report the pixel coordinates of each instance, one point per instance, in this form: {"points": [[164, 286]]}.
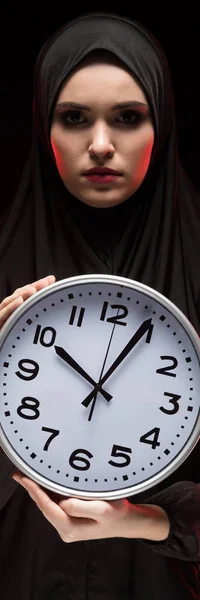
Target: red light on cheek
{"points": [[54, 149], [60, 161], [57, 156], [142, 163]]}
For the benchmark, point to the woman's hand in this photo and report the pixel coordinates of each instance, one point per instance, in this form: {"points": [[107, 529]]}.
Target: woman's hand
{"points": [[9, 304], [77, 520]]}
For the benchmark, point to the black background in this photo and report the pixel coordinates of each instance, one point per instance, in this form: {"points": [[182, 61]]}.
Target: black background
{"points": [[24, 29]]}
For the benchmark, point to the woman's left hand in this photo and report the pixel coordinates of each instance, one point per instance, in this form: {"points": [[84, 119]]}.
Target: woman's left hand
{"points": [[76, 520]]}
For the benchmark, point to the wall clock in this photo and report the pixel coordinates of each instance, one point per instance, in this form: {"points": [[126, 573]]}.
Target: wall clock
{"points": [[100, 387]]}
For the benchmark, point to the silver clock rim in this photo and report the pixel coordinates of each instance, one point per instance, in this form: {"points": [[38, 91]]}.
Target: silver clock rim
{"points": [[115, 279], [195, 435]]}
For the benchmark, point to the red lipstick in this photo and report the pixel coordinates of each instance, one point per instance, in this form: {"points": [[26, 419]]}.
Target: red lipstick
{"points": [[101, 174]]}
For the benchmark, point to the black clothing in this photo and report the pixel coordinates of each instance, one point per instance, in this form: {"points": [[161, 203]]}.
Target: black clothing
{"points": [[153, 237], [36, 564]]}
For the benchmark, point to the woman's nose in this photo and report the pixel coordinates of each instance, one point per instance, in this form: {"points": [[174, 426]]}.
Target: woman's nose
{"points": [[101, 143]]}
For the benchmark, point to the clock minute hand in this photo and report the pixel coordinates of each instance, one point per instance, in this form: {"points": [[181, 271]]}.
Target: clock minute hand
{"points": [[146, 326], [68, 359]]}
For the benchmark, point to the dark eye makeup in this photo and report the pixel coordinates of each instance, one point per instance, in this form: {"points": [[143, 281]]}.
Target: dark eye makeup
{"points": [[75, 118]]}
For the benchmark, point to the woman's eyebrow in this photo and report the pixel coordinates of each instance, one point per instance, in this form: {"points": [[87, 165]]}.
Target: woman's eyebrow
{"points": [[121, 105]]}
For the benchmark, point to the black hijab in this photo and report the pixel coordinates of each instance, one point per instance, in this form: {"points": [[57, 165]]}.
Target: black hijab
{"points": [[154, 236]]}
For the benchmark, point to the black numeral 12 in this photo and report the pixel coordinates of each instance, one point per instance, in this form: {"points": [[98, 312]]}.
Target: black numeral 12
{"points": [[116, 318]]}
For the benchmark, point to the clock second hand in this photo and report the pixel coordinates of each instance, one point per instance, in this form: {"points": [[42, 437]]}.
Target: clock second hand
{"points": [[145, 327], [95, 391]]}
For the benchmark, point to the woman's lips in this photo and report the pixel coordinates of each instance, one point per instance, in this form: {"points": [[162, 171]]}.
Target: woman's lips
{"points": [[102, 178]]}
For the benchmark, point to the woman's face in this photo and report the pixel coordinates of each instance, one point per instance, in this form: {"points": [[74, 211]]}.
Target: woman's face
{"points": [[102, 134]]}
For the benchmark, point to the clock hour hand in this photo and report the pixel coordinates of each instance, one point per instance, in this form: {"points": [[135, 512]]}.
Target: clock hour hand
{"points": [[144, 328], [68, 359]]}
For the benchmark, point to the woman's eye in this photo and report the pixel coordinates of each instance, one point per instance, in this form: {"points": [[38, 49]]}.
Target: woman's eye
{"points": [[72, 118], [131, 117], [128, 117]]}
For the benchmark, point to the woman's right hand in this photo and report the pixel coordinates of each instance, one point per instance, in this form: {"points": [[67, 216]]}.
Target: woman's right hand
{"points": [[9, 304]]}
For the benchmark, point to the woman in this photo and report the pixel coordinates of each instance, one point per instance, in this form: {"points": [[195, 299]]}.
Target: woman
{"points": [[143, 225]]}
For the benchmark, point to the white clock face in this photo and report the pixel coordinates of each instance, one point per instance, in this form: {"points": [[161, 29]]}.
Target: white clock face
{"points": [[141, 421]]}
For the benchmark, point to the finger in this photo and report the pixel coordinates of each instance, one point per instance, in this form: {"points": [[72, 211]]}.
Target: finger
{"points": [[35, 285], [26, 289], [69, 529], [44, 281], [50, 509], [88, 509], [21, 293], [9, 304], [6, 312]]}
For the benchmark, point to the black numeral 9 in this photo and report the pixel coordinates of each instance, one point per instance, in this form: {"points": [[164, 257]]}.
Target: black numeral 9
{"points": [[31, 371]]}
